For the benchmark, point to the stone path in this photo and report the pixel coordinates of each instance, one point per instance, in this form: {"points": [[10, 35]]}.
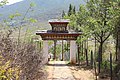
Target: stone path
{"points": [[58, 70]]}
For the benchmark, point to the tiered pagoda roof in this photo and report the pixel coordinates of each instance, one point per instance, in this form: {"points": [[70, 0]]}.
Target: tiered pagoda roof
{"points": [[59, 31]]}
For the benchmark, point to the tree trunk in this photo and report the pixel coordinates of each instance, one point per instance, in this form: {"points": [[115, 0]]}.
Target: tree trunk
{"points": [[119, 43], [116, 53], [91, 61], [100, 56], [100, 51], [86, 54], [117, 68], [95, 51], [111, 72]]}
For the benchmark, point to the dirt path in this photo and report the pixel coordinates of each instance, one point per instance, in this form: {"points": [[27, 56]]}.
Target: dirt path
{"points": [[58, 70]]}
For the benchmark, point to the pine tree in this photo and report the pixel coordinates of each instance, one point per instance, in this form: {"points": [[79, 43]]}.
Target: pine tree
{"points": [[70, 10], [74, 11], [63, 14]]}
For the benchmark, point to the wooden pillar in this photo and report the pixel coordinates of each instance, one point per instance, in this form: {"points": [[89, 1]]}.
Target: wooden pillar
{"points": [[62, 51], [45, 51], [54, 50], [73, 51]]}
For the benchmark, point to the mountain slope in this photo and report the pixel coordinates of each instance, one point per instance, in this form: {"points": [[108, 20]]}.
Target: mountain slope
{"points": [[43, 11]]}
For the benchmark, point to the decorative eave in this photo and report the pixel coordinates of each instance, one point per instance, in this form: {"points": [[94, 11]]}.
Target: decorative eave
{"points": [[58, 36]]}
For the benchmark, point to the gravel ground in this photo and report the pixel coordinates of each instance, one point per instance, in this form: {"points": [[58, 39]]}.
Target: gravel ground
{"points": [[58, 70]]}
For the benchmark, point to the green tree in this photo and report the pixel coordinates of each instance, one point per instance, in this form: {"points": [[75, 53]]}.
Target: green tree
{"points": [[117, 37], [117, 28], [101, 22], [98, 19], [3, 2]]}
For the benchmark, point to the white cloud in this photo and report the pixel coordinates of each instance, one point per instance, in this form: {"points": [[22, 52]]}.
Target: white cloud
{"points": [[12, 1]]}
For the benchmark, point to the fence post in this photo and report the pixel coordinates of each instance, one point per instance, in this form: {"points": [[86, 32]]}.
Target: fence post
{"points": [[95, 69], [78, 54], [91, 61], [86, 54], [111, 66]]}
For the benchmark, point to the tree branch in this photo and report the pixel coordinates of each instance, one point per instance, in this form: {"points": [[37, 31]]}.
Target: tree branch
{"points": [[107, 37], [97, 39], [98, 34]]}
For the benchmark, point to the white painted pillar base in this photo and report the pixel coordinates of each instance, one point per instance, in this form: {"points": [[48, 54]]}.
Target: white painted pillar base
{"points": [[45, 52], [73, 51]]}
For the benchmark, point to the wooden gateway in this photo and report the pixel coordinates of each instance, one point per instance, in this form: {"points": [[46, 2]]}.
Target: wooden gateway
{"points": [[59, 32]]}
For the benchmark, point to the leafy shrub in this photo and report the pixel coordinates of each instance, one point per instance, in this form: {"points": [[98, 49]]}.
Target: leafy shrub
{"points": [[82, 58], [106, 66]]}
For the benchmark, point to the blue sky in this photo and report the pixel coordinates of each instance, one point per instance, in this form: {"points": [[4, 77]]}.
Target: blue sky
{"points": [[12, 1]]}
